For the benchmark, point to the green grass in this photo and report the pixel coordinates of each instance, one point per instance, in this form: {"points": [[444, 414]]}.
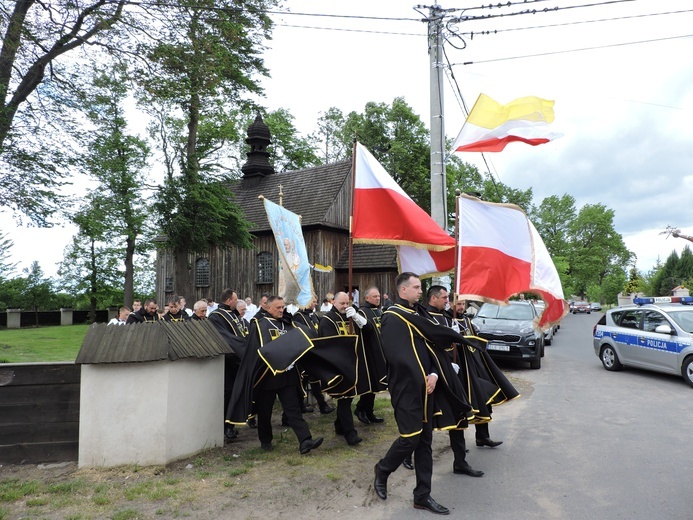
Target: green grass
{"points": [[59, 343]]}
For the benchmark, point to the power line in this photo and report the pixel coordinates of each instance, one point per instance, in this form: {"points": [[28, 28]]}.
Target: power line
{"points": [[418, 35], [579, 22], [567, 51]]}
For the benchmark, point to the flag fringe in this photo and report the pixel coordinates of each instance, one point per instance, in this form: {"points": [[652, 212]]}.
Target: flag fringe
{"points": [[382, 242]]}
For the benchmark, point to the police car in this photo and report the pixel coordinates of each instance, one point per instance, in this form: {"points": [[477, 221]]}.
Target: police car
{"points": [[654, 333]]}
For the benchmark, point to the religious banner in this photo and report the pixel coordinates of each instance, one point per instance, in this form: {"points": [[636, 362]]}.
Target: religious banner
{"points": [[295, 284]]}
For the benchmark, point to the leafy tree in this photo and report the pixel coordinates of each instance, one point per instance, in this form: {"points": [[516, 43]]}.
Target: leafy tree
{"points": [[635, 282], [36, 35], [668, 276], [552, 220], [332, 146], [37, 290], [204, 62], [6, 266], [612, 285], [596, 248], [117, 160], [90, 264], [289, 150]]}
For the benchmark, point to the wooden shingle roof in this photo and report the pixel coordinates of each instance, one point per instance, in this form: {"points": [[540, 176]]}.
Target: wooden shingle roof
{"points": [[369, 257], [141, 342], [309, 193]]}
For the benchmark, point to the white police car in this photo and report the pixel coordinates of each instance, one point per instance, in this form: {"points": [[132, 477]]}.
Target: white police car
{"points": [[654, 333]]}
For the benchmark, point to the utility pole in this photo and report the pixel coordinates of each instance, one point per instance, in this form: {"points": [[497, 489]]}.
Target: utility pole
{"points": [[435, 52]]}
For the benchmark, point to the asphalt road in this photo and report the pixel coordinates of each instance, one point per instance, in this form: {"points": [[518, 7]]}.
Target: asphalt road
{"points": [[583, 444]]}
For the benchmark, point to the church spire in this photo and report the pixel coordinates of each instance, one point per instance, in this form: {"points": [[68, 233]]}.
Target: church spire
{"points": [[259, 138]]}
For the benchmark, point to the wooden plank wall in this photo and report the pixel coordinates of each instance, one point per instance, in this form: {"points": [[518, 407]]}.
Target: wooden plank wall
{"points": [[39, 412]]}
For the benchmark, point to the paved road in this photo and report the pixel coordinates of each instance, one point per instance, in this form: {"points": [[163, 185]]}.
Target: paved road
{"points": [[583, 444]]}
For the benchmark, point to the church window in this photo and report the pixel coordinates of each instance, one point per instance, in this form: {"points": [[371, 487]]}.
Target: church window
{"points": [[202, 272], [265, 268]]}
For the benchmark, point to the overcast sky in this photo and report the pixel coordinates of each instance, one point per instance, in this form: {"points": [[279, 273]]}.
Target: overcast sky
{"points": [[624, 106]]}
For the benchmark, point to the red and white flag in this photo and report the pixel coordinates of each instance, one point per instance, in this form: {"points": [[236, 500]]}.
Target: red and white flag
{"points": [[423, 246], [501, 254]]}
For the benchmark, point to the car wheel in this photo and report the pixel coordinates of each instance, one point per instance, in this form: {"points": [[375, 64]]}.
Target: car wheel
{"points": [[548, 341], [687, 370], [542, 349], [535, 363], [610, 359]]}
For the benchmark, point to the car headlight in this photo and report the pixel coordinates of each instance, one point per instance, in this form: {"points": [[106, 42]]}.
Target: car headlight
{"points": [[526, 330]]}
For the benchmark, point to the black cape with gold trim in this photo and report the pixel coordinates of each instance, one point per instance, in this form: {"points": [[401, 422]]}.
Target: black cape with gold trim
{"points": [[409, 334], [483, 368], [371, 347]]}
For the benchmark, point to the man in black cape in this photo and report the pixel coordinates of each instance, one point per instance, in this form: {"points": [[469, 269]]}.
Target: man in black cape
{"points": [[145, 314], [309, 320], [483, 369], [257, 382], [437, 298], [335, 323], [424, 388], [371, 350], [227, 323]]}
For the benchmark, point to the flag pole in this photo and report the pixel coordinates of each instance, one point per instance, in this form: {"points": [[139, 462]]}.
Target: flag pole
{"points": [[351, 221], [455, 270]]}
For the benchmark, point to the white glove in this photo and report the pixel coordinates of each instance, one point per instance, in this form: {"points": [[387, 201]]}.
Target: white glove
{"points": [[289, 367], [456, 368], [350, 312], [360, 320], [455, 326]]}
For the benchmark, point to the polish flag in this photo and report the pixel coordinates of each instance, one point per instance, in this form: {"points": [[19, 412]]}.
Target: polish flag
{"points": [[490, 126], [501, 254], [385, 214]]}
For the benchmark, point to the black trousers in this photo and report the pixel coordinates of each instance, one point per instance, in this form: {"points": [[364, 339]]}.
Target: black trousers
{"points": [[345, 419], [366, 403], [420, 445], [292, 409], [459, 447]]}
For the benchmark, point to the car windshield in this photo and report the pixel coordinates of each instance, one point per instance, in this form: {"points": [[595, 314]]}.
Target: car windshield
{"points": [[683, 319], [508, 312]]}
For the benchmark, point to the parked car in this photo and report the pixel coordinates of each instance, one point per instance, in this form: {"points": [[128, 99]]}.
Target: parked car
{"points": [[581, 307], [595, 306], [510, 331], [655, 336]]}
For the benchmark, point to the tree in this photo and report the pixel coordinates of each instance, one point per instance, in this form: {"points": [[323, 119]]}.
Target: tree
{"points": [[90, 264], [37, 291], [552, 220], [332, 146], [6, 266], [35, 36], [289, 150], [203, 64], [595, 248], [667, 277], [117, 160], [612, 285]]}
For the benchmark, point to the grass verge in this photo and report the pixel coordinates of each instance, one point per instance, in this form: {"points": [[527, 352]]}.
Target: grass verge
{"points": [[42, 344]]}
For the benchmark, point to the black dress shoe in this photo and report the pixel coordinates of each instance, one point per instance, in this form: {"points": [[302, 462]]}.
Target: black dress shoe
{"points": [[353, 438], [488, 442], [361, 416], [466, 469], [307, 409], [310, 444], [252, 423], [230, 432], [267, 446], [408, 463], [380, 484], [326, 408], [431, 505], [372, 418]]}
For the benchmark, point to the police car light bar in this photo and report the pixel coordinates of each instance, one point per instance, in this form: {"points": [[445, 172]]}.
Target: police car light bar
{"points": [[684, 300]]}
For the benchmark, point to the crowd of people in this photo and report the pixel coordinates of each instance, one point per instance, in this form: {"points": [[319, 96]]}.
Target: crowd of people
{"points": [[426, 355]]}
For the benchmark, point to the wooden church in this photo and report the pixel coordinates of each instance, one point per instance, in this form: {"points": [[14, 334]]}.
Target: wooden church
{"points": [[322, 197]]}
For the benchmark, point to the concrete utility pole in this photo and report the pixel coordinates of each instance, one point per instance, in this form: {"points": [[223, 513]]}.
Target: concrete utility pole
{"points": [[435, 52]]}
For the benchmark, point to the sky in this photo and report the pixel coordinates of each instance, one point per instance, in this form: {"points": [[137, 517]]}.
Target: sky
{"points": [[619, 72]]}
